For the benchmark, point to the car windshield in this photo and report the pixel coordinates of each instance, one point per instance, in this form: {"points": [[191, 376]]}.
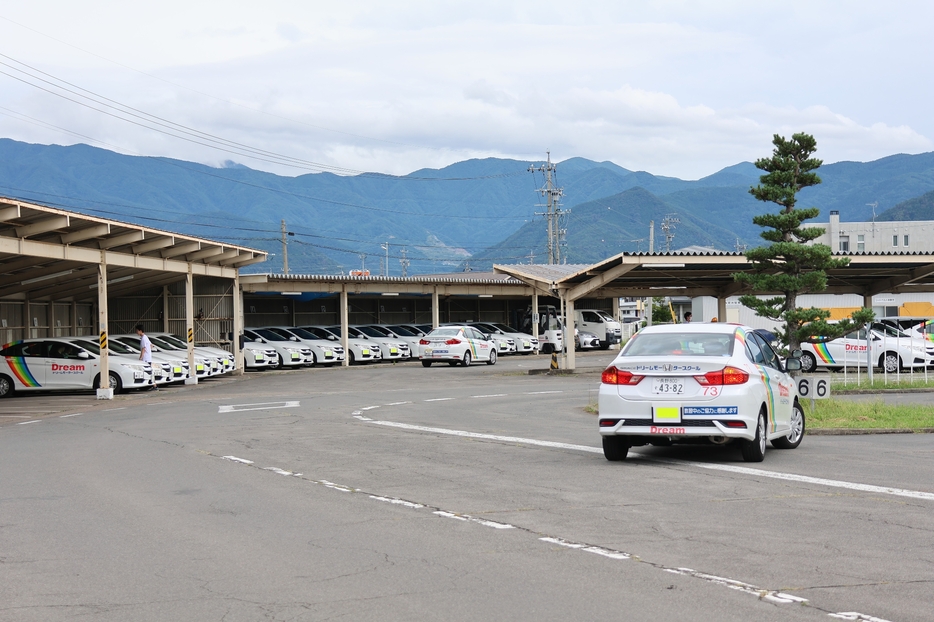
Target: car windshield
{"points": [[484, 328], [116, 347], [133, 342], [269, 335], [301, 333], [175, 340], [164, 344], [371, 331], [606, 316], [445, 332], [503, 327], [322, 333], [888, 331], [90, 346], [680, 344], [402, 331]]}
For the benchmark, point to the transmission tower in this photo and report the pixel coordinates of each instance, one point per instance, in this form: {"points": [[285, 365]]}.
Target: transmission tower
{"points": [[553, 214], [739, 246], [404, 262], [668, 227]]}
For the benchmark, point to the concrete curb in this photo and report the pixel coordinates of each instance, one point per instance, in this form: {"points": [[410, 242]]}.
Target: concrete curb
{"points": [[880, 391], [863, 431]]}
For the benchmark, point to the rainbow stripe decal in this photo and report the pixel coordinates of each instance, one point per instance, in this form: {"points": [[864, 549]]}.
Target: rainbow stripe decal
{"points": [[21, 371], [821, 350], [763, 372]]}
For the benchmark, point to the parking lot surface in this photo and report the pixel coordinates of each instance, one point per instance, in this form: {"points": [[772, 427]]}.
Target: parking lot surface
{"points": [[396, 492]]}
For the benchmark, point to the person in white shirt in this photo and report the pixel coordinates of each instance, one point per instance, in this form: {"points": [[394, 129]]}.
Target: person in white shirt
{"points": [[145, 350]]}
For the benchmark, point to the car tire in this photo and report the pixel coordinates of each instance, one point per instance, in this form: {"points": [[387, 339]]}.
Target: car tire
{"points": [[890, 362], [353, 359], [6, 386], [604, 345], [547, 348], [615, 448], [797, 430], [466, 361], [808, 362], [426, 363], [314, 360], [492, 360], [754, 450], [115, 382]]}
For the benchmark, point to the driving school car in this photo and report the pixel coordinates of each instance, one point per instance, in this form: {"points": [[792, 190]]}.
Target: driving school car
{"points": [[714, 383], [456, 345], [55, 364]]}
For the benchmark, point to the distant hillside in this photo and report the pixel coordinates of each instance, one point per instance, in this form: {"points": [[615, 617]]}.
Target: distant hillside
{"points": [[482, 209], [918, 208]]}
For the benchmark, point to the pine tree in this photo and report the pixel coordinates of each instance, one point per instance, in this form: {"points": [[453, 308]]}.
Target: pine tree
{"points": [[789, 266]]}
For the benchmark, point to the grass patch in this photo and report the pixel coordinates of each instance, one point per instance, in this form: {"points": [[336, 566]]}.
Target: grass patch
{"points": [[831, 413]]}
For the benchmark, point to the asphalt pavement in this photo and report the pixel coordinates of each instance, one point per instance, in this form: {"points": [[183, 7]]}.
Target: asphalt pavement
{"points": [[405, 493]]}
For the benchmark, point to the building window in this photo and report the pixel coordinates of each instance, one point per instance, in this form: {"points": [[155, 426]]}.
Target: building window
{"points": [[861, 243], [844, 244], [895, 240], [906, 239]]}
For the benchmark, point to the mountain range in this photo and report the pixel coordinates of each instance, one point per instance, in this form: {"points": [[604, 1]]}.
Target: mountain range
{"points": [[472, 213]]}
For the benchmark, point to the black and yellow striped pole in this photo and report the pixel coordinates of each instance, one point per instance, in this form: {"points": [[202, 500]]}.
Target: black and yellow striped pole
{"points": [[103, 340], [554, 359]]}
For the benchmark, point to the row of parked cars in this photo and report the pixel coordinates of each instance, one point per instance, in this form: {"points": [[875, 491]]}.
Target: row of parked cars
{"points": [[72, 363], [295, 346], [893, 344]]}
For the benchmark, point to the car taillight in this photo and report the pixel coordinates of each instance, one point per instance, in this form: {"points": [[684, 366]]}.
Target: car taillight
{"points": [[727, 375], [612, 375], [452, 342], [424, 342], [608, 423]]}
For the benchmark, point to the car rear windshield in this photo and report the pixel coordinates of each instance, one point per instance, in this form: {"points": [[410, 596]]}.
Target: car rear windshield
{"points": [[445, 332], [680, 344]]}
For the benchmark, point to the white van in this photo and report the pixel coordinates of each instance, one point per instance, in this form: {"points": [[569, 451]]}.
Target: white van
{"points": [[601, 324]]}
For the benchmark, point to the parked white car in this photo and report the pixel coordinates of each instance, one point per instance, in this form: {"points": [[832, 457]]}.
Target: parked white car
{"points": [[401, 333], [290, 354], [524, 343], [601, 324], [698, 382], [891, 350], [504, 345], [324, 352], [203, 366], [361, 350], [177, 367], [391, 348], [456, 345], [56, 364], [224, 358], [259, 356]]}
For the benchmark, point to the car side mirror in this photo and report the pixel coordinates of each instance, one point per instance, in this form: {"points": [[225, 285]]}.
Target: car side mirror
{"points": [[796, 354], [793, 364], [293, 338], [488, 337], [83, 355], [332, 337]]}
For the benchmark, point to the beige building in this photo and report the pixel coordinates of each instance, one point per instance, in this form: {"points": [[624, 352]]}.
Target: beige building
{"points": [[896, 236]]}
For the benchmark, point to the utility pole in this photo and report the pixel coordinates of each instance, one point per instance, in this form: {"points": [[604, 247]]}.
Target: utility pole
{"points": [[404, 262], [668, 226], [362, 257], [556, 234], [651, 236], [739, 246], [385, 247], [285, 249]]}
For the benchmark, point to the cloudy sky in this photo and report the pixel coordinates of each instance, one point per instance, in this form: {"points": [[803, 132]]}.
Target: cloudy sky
{"points": [[678, 88]]}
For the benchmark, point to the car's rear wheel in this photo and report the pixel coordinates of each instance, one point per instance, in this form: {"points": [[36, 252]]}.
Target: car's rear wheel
{"points": [[6, 386], [615, 448], [890, 362], [466, 361], [453, 363], [754, 450], [426, 363], [797, 430], [492, 360], [353, 359], [808, 362]]}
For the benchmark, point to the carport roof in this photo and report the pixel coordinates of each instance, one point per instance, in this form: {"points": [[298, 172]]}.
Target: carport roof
{"points": [[711, 274], [47, 252]]}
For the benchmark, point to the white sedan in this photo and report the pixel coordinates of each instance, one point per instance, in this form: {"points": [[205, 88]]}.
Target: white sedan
{"points": [[715, 383], [456, 345], [892, 350]]}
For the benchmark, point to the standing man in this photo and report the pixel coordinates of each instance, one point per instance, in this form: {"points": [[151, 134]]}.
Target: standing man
{"points": [[687, 317], [145, 351]]}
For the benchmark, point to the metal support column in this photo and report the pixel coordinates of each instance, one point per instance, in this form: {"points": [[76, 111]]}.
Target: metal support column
{"points": [[867, 302], [165, 308], [535, 314], [105, 391], [435, 308], [570, 341], [237, 326], [721, 309], [190, 327], [345, 323]]}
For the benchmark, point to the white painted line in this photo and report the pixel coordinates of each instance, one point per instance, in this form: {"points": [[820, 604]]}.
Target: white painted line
{"points": [[449, 515], [492, 395], [758, 592], [18, 416], [473, 519], [71, 415], [281, 471], [236, 459], [440, 399], [369, 407], [407, 504], [362, 418], [543, 392], [397, 403], [236, 408], [492, 437], [852, 615], [109, 410], [804, 479], [340, 487], [28, 422]]}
